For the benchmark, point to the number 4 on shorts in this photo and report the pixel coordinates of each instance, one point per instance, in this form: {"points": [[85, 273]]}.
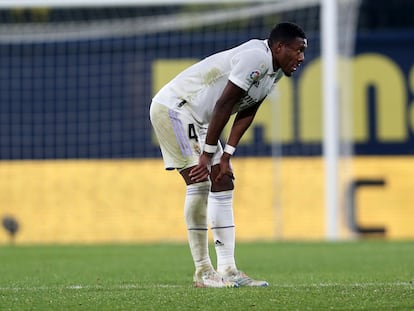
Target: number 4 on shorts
{"points": [[192, 132]]}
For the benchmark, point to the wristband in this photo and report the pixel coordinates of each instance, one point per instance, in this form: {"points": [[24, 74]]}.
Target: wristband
{"points": [[229, 149], [210, 148]]}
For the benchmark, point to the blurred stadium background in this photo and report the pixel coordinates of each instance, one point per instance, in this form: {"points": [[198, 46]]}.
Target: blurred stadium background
{"points": [[78, 160]]}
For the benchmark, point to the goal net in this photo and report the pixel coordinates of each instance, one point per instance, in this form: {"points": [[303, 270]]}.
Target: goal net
{"points": [[78, 159]]}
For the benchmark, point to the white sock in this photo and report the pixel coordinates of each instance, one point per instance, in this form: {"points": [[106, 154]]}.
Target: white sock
{"points": [[195, 214], [220, 213]]}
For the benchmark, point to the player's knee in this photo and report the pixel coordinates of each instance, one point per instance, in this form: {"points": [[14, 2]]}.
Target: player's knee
{"points": [[224, 184]]}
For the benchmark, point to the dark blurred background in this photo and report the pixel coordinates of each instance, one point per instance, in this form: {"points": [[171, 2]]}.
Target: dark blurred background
{"points": [[373, 14]]}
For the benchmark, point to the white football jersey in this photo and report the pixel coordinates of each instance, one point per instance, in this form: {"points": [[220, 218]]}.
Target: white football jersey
{"points": [[248, 66]]}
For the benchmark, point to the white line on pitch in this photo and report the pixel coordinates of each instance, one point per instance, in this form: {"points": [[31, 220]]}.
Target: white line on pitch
{"points": [[136, 286]]}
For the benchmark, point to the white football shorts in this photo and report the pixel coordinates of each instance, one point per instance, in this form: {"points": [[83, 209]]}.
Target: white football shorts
{"points": [[180, 137]]}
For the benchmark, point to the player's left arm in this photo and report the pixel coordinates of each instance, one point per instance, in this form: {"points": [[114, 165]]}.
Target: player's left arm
{"points": [[241, 123], [221, 114]]}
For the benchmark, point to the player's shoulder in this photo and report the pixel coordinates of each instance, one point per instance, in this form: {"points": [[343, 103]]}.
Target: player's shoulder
{"points": [[255, 51], [255, 44], [255, 47]]}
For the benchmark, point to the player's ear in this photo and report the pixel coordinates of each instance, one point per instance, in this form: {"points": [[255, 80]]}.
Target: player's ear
{"points": [[278, 46]]}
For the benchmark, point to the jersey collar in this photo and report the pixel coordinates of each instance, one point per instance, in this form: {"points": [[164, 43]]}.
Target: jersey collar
{"points": [[271, 71]]}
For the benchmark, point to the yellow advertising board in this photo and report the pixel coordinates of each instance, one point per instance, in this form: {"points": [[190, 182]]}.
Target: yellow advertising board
{"points": [[132, 201]]}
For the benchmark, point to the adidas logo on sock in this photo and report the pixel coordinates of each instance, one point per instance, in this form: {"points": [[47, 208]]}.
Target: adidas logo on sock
{"points": [[218, 243]]}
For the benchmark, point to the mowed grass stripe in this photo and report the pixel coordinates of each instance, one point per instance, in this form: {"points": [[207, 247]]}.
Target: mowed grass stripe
{"points": [[365, 275]]}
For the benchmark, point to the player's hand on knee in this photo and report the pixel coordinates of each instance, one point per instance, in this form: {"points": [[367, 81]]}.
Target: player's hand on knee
{"points": [[222, 174], [225, 169], [201, 171]]}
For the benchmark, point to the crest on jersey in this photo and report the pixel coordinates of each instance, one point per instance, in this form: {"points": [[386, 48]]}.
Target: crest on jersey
{"points": [[254, 75], [197, 148]]}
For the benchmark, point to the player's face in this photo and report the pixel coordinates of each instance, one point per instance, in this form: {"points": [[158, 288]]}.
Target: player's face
{"points": [[291, 55]]}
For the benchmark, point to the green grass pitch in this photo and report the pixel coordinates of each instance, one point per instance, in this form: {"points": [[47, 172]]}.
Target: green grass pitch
{"points": [[365, 275]]}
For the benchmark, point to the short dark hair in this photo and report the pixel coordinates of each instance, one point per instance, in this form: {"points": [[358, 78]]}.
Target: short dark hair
{"points": [[286, 32]]}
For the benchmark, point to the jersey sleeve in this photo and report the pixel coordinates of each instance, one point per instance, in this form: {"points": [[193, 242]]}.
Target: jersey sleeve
{"points": [[247, 68]]}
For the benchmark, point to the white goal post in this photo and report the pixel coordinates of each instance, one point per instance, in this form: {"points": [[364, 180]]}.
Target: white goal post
{"points": [[329, 52]]}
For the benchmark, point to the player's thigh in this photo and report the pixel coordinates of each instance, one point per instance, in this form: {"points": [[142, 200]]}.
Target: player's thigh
{"points": [[178, 136]]}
